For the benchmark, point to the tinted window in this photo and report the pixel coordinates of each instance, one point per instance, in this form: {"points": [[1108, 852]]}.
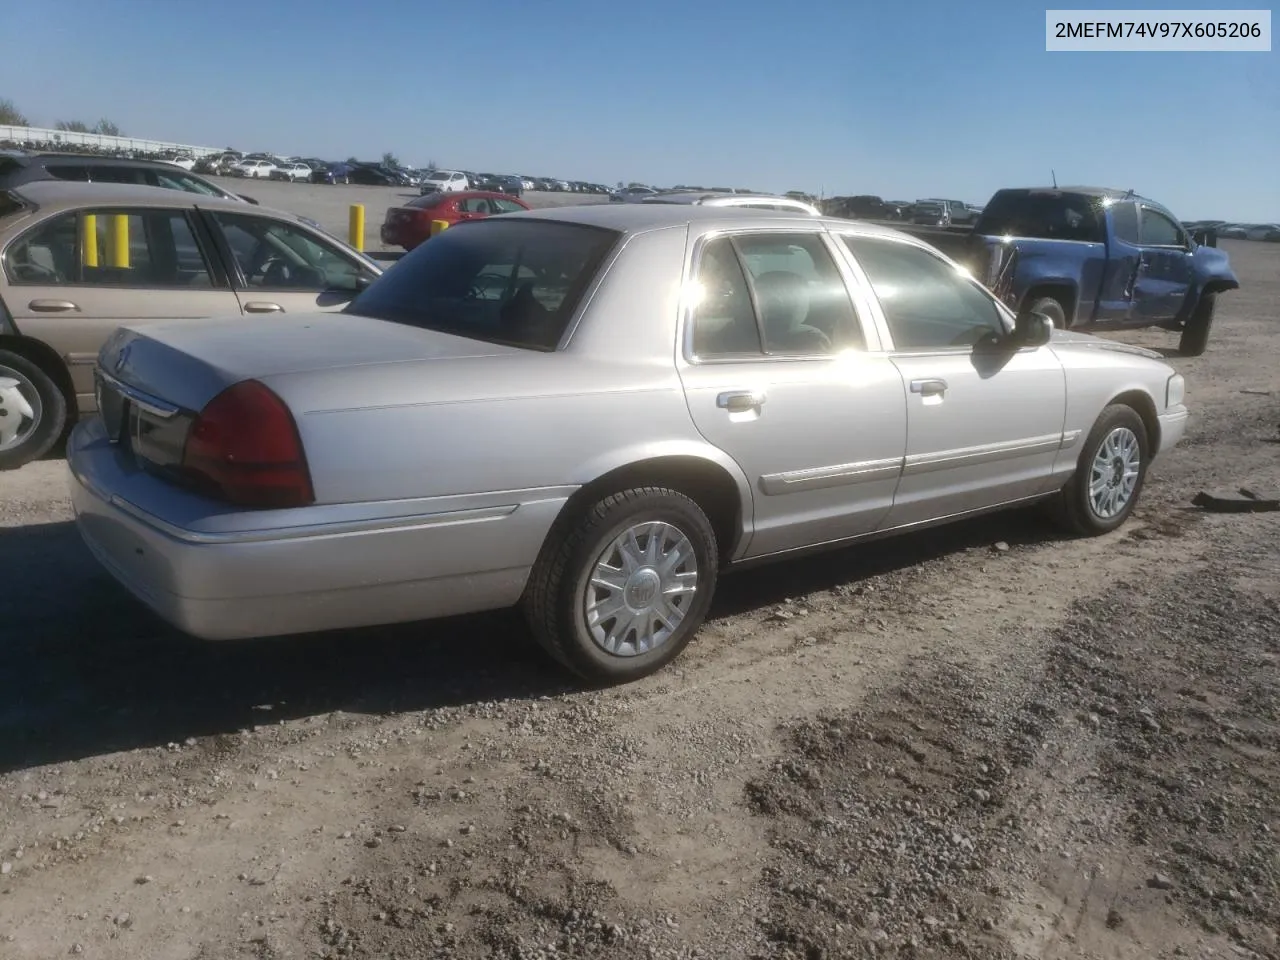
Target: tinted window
{"points": [[501, 280], [1124, 220], [474, 205], [179, 181], [802, 300], [68, 171], [926, 303], [274, 255], [118, 175], [505, 206], [1041, 216], [141, 248], [1158, 230]]}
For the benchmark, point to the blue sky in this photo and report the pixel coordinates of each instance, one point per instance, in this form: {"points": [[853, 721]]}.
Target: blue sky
{"points": [[903, 99]]}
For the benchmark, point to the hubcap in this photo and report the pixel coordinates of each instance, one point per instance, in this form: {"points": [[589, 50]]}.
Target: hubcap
{"points": [[641, 588], [20, 408], [1115, 473]]}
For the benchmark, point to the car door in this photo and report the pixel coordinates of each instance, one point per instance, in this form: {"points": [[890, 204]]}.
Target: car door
{"points": [[74, 277], [279, 266], [782, 373], [984, 421], [1164, 271]]}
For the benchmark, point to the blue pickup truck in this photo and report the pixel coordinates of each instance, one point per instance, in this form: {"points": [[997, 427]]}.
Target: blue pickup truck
{"points": [[1095, 259]]}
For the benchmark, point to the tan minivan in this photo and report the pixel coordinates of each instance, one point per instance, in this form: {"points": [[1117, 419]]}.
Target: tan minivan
{"points": [[79, 259]]}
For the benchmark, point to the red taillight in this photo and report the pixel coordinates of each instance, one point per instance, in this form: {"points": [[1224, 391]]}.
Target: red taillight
{"points": [[244, 448]]}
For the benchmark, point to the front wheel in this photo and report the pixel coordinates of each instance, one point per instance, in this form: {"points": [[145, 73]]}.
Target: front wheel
{"points": [[33, 411], [1110, 474], [620, 589], [1195, 335]]}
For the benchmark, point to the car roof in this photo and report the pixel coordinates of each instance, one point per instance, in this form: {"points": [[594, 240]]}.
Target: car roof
{"points": [[96, 160], [696, 196], [59, 194], [642, 217]]}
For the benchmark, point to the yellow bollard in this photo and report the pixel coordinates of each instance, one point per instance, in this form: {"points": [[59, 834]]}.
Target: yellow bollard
{"points": [[439, 226], [118, 247], [89, 240], [355, 226]]}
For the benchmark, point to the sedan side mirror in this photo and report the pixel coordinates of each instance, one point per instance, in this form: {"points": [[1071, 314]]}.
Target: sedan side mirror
{"points": [[1032, 330]]}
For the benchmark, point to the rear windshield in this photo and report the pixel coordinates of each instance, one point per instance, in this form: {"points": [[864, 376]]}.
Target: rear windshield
{"points": [[507, 281], [1042, 216]]}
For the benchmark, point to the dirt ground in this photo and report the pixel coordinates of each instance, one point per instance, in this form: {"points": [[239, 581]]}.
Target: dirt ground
{"points": [[984, 741]]}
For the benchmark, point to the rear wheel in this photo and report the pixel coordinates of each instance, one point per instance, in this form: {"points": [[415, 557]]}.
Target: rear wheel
{"points": [[1195, 335], [1110, 474], [33, 411], [621, 588]]}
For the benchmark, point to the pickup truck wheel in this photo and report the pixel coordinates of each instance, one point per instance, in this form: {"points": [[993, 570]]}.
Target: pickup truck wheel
{"points": [[33, 411], [1052, 309], [620, 589], [1109, 475], [1195, 335]]}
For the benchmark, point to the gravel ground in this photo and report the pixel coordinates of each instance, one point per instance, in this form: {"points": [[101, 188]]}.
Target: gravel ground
{"points": [[330, 205], [982, 741]]}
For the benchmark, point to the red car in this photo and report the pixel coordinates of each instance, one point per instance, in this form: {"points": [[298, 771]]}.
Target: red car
{"points": [[423, 217]]}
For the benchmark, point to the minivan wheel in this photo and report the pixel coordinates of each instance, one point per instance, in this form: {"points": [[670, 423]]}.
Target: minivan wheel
{"points": [[33, 411], [620, 589], [1110, 473]]}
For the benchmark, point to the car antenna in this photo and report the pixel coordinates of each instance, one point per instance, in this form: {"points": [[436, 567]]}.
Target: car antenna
{"points": [[1054, 176]]}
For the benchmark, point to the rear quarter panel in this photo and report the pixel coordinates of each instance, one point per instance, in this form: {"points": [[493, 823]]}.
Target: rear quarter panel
{"points": [[609, 397]]}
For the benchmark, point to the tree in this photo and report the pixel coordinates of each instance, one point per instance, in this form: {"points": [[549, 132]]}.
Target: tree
{"points": [[11, 116], [389, 159], [107, 128], [71, 126], [352, 160]]}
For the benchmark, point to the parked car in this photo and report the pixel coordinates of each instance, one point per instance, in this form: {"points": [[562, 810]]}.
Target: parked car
{"points": [[218, 163], [19, 168], [957, 211], [864, 207], [752, 201], [1264, 231], [511, 186], [632, 194], [929, 213], [292, 171], [1096, 259], [331, 173], [444, 181], [252, 168], [372, 174], [515, 414], [424, 216], [182, 255]]}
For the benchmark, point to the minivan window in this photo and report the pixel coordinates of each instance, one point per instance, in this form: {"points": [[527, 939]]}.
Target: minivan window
{"points": [[500, 280]]}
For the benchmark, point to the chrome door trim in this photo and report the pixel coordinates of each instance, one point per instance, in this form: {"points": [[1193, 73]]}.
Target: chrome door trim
{"points": [[840, 474], [985, 453]]}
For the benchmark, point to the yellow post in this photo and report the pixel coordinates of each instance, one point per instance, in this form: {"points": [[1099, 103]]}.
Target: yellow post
{"points": [[438, 226], [118, 248], [89, 240], [355, 226]]}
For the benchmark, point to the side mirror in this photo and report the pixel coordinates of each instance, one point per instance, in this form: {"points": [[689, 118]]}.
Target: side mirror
{"points": [[1205, 238], [1032, 330]]}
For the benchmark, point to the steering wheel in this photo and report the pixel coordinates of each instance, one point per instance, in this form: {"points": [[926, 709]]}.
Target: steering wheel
{"points": [[34, 273], [479, 289]]}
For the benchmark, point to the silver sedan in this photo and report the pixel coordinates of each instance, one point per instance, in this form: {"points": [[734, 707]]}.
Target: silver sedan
{"points": [[591, 412]]}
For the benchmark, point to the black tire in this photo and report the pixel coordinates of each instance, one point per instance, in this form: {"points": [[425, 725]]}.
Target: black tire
{"points": [[1052, 308], [1195, 335], [1075, 509], [51, 410], [555, 598]]}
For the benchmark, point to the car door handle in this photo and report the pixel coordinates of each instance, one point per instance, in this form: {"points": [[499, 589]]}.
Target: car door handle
{"points": [[262, 306], [740, 401], [929, 388], [52, 306]]}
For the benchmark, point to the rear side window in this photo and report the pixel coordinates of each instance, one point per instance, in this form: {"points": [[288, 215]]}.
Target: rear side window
{"points": [[68, 171], [141, 248], [1042, 216], [500, 280], [1124, 221]]}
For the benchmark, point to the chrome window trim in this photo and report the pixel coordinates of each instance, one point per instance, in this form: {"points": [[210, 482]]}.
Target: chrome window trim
{"points": [[693, 264]]}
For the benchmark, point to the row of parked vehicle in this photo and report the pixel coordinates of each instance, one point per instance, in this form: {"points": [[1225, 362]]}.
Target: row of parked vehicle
{"points": [[822, 381]]}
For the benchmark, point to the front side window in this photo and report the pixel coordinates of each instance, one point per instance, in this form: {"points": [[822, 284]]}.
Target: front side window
{"points": [[500, 280], [129, 248], [274, 255], [505, 206], [927, 304], [474, 205], [1157, 230]]}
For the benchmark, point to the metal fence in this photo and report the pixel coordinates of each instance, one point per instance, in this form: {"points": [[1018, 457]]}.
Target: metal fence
{"points": [[99, 141]]}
